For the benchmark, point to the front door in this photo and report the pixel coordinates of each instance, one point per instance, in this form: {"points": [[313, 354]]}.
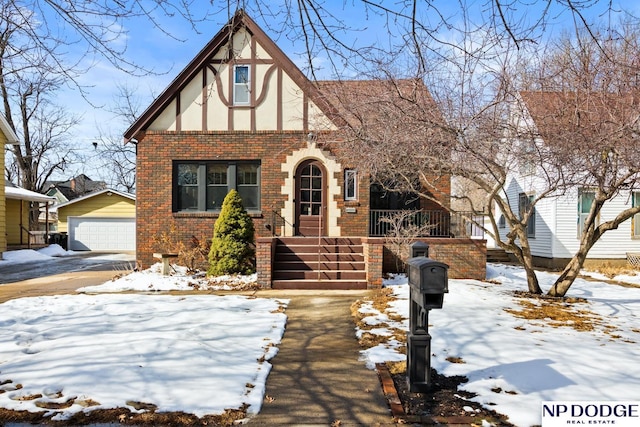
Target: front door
{"points": [[310, 199]]}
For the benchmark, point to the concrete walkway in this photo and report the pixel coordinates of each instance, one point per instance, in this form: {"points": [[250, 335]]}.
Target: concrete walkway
{"points": [[317, 377]]}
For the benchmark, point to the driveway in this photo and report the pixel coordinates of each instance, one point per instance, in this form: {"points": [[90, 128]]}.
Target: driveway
{"points": [[11, 272], [60, 275]]}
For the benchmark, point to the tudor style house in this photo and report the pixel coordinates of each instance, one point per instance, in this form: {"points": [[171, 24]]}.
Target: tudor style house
{"points": [[242, 116]]}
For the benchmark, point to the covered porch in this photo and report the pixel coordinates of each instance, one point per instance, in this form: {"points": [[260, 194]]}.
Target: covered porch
{"points": [[23, 208]]}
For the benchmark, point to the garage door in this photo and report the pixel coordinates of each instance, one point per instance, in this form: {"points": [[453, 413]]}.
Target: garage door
{"points": [[102, 234]]}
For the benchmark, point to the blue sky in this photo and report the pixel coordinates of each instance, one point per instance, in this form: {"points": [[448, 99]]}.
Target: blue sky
{"points": [[168, 55]]}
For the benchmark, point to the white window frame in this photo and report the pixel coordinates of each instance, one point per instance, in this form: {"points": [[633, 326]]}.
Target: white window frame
{"points": [[582, 216], [350, 184], [524, 201], [243, 88]]}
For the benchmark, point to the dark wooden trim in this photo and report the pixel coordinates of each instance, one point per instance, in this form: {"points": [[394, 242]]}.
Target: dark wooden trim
{"points": [[205, 57], [252, 83], [205, 99], [305, 111], [178, 112], [230, 85], [279, 113]]}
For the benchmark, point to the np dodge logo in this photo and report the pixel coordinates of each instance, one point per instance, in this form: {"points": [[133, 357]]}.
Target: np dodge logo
{"points": [[619, 414]]}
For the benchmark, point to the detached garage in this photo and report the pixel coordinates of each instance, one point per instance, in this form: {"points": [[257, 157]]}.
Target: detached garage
{"points": [[100, 221]]}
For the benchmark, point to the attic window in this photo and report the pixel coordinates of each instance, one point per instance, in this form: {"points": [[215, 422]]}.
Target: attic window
{"points": [[241, 85]]}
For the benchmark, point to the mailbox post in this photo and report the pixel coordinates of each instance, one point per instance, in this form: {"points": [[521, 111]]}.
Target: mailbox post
{"points": [[428, 282]]}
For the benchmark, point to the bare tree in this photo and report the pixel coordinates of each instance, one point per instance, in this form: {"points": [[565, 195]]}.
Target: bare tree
{"points": [[589, 119], [117, 161], [27, 87], [585, 133]]}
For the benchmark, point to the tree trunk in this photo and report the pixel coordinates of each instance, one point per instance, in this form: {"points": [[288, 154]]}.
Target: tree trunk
{"points": [[568, 275], [532, 279], [523, 254], [588, 238]]}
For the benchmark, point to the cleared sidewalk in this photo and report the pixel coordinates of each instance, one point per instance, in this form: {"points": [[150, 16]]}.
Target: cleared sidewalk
{"points": [[317, 377]]}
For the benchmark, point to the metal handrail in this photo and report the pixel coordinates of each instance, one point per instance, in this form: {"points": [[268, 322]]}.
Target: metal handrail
{"points": [[274, 222]]}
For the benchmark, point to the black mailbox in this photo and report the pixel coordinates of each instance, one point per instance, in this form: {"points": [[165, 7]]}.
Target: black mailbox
{"points": [[428, 276], [419, 249], [428, 282]]}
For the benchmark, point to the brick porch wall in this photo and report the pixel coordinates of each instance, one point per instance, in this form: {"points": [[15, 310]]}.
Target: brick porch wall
{"points": [[466, 258]]}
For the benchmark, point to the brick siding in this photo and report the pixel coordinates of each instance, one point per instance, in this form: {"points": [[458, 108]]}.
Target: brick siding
{"points": [[466, 258], [159, 149]]}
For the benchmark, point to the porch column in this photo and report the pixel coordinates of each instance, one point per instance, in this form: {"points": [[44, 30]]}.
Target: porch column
{"points": [[264, 260], [373, 249]]}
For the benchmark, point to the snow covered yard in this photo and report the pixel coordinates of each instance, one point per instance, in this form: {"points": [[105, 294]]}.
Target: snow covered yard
{"points": [[203, 353], [199, 354], [514, 362]]}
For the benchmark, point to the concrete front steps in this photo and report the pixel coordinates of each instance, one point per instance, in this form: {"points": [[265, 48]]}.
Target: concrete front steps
{"points": [[497, 255], [319, 263]]}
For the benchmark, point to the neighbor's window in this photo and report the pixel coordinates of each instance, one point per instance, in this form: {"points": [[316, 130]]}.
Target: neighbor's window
{"points": [[636, 217], [350, 184], [524, 204], [241, 85], [585, 200], [502, 222], [202, 186]]}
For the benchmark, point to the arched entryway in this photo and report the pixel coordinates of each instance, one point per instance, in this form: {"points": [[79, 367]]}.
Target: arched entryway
{"points": [[311, 204]]}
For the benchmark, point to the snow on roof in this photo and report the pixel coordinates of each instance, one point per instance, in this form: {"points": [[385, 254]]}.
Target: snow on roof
{"points": [[17, 193], [12, 138]]}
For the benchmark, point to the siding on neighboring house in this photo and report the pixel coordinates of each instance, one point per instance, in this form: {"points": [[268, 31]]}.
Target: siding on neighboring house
{"points": [[100, 206], [3, 201], [614, 244], [13, 212], [557, 227]]}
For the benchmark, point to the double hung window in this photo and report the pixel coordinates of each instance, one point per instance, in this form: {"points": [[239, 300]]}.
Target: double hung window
{"points": [[585, 200], [524, 205], [241, 88]]}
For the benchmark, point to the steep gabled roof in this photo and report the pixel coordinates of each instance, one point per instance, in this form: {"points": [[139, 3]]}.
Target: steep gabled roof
{"points": [[578, 116], [220, 40], [375, 100], [75, 187]]}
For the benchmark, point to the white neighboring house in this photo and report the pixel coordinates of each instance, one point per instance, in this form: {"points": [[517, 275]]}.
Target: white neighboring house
{"points": [[555, 227]]}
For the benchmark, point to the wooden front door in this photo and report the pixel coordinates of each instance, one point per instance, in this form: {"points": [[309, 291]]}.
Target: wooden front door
{"points": [[311, 199]]}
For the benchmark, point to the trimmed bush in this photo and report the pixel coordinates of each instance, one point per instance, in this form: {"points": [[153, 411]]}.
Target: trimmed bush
{"points": [[233, 245]]}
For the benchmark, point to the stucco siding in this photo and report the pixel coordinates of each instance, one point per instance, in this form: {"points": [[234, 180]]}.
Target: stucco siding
{"points": [[102, 206], [167, 119], [292, 105], [191, 105]]}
